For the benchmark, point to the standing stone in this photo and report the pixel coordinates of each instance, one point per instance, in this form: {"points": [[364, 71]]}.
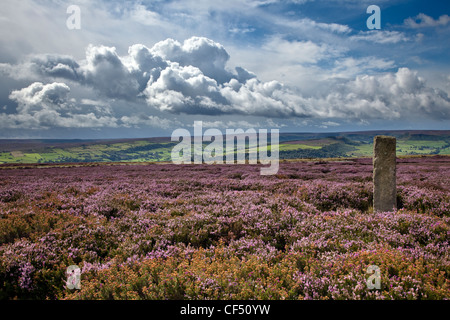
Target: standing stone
{"points": [[384, 174]]}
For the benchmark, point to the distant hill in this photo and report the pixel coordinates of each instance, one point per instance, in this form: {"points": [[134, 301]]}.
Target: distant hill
{"points": [[292, 146]]}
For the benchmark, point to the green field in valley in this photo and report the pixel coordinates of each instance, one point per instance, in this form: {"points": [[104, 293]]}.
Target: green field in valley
{"points": [[292, 146]]}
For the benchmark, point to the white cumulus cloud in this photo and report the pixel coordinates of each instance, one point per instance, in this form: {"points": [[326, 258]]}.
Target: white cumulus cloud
{"points": [[380, 36], [422, 20], [193, 78], [390, 96]]}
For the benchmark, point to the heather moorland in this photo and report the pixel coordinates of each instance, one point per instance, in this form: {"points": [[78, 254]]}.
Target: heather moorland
{"points": [[164, 231]]}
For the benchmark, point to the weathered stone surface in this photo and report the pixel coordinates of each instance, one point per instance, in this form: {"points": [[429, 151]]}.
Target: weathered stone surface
{"points": [[384, 174]]}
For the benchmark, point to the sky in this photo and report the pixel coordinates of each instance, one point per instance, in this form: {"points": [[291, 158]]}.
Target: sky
{"points": [[134, 69]]}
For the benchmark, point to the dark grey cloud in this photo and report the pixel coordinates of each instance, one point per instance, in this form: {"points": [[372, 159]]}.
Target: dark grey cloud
{"points": [[104, 70], [58, 66], [43, 106], [48, 106]]}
